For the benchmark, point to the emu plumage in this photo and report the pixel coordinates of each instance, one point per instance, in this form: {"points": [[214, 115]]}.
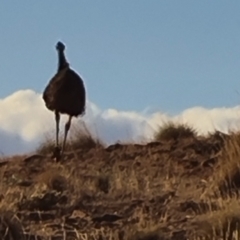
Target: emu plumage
{"points": [[65, 94]]}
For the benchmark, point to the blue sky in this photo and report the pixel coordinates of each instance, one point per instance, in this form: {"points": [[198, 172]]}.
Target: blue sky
{"points": [[133, 55]]}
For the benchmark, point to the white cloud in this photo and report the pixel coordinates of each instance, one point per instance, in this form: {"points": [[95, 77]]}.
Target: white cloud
{"points": [[25, 121]]}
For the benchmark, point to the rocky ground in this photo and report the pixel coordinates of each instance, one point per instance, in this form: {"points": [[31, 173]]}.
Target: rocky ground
{"points": [[185, 188]]}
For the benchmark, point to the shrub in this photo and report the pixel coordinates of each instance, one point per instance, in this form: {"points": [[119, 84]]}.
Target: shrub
{"points": [[80, 139], [172, 131]]}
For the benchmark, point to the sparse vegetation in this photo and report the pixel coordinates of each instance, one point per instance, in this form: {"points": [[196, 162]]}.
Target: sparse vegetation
{"points": [[227, 176], [186, 190], [81, 139], [172, 131]]}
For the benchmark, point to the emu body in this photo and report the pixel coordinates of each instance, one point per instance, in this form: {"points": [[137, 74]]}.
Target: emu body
{"points": [[65, 94]]}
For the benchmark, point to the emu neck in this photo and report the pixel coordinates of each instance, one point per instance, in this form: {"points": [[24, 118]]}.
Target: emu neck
{"points": [[62, 62]]}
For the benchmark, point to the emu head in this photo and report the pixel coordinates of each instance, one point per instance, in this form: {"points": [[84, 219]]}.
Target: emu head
{"points": [[60, 46]]}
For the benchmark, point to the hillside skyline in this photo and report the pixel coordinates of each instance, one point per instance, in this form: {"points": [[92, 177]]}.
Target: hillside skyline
{"points": [[26, 122]]}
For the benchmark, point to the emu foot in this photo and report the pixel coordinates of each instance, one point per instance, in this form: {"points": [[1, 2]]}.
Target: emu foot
{"points": [[57, 154]]}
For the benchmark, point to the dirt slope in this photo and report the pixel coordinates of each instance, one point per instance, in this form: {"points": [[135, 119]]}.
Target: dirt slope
{"points": [[161, 190]]}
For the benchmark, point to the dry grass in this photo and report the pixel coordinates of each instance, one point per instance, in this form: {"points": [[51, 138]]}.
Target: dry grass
{"points": [[224, 222], [173, 131], [226, 178], [152, 191], [80, 139]]}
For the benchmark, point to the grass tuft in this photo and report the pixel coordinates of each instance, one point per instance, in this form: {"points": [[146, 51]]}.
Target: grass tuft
{"points": [[171, 131], [227, 174], [81, 139]]}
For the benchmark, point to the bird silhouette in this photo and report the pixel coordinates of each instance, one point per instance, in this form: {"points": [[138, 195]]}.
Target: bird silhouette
{"points": [[64, 94]]}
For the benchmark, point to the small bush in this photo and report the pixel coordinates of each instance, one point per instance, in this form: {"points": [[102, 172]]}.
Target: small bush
{"points": [[171, 131], [81, 139]]}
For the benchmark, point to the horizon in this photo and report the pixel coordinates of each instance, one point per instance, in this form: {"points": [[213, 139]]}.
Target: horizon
{"points": [[22, 132]]}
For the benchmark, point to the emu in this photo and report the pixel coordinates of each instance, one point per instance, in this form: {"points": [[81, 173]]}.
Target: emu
{"points": [[64, 94]]}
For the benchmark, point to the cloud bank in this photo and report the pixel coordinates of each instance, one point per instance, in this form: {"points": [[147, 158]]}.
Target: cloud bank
{"points": [[25, 122]]}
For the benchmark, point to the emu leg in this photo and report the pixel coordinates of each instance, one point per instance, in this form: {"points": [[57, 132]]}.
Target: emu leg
{"points": [[57, 118], [67, 127], [56, 153]]}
